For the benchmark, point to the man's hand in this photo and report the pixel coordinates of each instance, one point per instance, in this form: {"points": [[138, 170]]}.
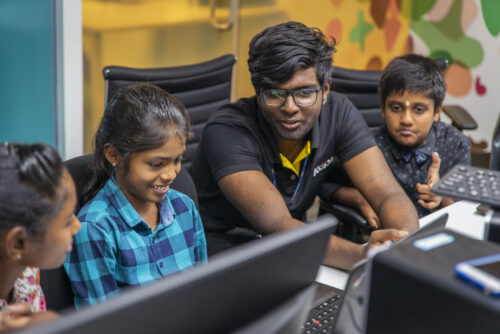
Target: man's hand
{"points": [[379, 237], [378, 185], [428, 199]]}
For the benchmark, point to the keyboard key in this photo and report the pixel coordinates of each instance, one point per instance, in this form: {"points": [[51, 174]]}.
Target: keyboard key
{"points": [[322, 316], [470, 183]]}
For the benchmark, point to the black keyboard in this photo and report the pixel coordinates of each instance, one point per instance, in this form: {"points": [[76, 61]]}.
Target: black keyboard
{"points": [[325, 311], [470, 183]]}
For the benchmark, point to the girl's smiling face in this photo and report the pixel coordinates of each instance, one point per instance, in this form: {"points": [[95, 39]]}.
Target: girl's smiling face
{"points": [[149, 174]]}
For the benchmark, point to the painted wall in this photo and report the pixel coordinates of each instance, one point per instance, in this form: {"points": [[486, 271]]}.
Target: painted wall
{"points": [[151, 33], [27, 66], [466, 32]]}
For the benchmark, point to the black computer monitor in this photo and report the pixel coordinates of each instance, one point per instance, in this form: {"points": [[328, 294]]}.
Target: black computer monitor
{"points": [[238, 290]]}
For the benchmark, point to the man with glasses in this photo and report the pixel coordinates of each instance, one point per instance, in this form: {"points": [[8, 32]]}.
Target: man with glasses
{"points": [[262, 160]]}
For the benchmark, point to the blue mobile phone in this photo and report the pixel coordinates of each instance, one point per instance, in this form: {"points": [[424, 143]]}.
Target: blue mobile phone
{"points": [[483, 272]]}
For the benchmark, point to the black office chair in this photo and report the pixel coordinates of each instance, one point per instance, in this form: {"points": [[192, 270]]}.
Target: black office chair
{"points": [[495, 148], [203, 88], [361, 88], [55, 283]]}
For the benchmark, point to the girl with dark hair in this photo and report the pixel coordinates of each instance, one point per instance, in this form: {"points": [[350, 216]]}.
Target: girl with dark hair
{"points": [[37, 224], [135, 229]]}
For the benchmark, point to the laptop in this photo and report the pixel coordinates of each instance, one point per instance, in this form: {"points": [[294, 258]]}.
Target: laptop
{"points": [[343, 311]]}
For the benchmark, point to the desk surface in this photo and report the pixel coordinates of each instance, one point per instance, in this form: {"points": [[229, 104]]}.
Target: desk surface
{"points": [[462, 218]]}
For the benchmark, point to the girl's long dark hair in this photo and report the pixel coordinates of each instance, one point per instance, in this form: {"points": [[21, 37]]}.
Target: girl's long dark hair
{"points": [[138, 118]]}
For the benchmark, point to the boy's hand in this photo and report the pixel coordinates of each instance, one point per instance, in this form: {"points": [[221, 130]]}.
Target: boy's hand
{"points": [[428, 199]]}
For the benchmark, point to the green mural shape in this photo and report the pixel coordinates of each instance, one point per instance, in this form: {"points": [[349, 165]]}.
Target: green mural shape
{"points": [[465, 50], [441, 54], [359, 32], [491, 11], [450, 25], [421, 7]]}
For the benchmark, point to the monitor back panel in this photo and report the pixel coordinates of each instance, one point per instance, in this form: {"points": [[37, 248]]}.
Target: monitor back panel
{"points": [[233, 289], [416, 291]]}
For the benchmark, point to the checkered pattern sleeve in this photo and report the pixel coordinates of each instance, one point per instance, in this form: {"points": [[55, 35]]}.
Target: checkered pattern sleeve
{"points": [[91, 264], [188, 225], [201, 243]]}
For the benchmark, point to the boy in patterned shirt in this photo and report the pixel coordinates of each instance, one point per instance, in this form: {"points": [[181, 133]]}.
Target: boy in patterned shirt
{"points": [[417, 146]]}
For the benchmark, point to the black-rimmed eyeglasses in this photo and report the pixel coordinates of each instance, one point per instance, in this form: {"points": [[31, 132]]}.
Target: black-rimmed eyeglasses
{"points": [[302, 97]]}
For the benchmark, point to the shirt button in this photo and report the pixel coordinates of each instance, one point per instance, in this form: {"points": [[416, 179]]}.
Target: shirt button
{"points": [[293, 177], [161, 264]]}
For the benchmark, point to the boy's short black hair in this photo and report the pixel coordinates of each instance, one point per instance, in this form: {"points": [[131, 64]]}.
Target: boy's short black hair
{"points": [[277, 52], [413, 73]]}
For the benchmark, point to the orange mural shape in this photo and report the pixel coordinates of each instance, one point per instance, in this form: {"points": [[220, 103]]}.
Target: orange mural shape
{"points": [[391, 31], [409, 46], [392, 25], [395, 7], [378, 8], [374, 64], [336, 3], [334, 29], [458, 80]]}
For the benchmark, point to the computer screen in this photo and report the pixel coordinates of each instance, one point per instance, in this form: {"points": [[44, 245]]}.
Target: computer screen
{"points": [[234, 291]]}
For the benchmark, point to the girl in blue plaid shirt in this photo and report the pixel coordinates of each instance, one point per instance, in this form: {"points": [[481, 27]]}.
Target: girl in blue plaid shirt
{"points": [[135, 229]]}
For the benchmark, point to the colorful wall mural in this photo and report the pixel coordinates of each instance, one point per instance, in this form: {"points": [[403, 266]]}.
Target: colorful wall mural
{"points": [[466, 32], [369, 33]]}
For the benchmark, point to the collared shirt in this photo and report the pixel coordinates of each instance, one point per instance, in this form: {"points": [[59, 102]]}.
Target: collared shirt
{"points": [[238, 138], [453, 148], [116, 248], [295, 166]]}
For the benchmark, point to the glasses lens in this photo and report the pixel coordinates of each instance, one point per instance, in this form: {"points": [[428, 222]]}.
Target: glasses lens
{"points": [[305, 97], [274, 97]]}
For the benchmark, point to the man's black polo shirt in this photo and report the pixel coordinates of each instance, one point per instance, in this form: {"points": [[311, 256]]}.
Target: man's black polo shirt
{"points": [[238, 138]]}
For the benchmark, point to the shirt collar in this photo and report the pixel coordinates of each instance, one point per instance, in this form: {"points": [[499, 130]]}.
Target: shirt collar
{"points": [[295, 166], [128, 213], [314, 134]]}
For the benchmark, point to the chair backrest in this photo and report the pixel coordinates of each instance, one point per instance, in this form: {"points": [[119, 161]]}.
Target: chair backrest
{"points": [[55, 283], [361, 87], [495, 148], [203, 88]]}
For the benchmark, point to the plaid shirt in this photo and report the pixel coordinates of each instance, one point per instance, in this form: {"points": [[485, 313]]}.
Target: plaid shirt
{"points": [[116, 248]]}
